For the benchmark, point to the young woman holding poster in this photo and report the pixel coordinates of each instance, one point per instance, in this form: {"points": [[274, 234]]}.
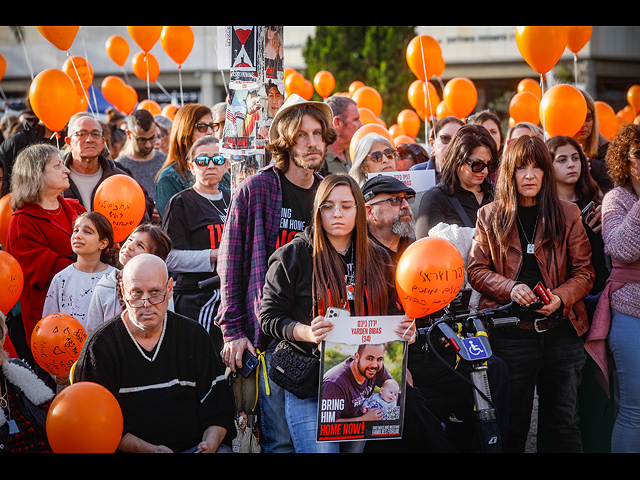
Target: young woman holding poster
{"points": [[333, 263]]}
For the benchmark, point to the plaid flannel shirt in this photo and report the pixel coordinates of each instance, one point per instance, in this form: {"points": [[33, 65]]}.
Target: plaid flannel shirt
{"points": [[248, 240]]}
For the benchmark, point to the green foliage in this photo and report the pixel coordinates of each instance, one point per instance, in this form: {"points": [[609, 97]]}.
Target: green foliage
{"points": [[374, 55]]}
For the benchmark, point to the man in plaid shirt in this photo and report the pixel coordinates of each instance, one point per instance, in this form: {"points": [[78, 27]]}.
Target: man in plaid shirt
{"points": [[267, 210]]}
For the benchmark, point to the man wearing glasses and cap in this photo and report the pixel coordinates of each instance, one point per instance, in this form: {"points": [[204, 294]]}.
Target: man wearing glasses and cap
{"points": [[268, 209], [389, 216]]}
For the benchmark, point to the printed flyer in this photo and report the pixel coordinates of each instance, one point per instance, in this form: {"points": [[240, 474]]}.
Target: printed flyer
{"points": [[362, 389]]}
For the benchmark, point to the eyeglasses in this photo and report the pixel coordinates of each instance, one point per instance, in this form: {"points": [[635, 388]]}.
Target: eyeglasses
{"points": [[331, 208], [396, 201], [376, 157], [635, 154], [203, 160], [143, 141], [82, 134], [409, 149], [477, 166], [139, 302], [203, 127]]}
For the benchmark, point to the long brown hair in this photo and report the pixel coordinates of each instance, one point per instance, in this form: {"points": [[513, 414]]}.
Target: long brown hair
{"points": [[524, 151], [182, 136], [329, 278], [586, 188]]}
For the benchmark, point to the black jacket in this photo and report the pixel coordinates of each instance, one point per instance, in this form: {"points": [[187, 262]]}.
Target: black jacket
{"points": [[109, 168]]}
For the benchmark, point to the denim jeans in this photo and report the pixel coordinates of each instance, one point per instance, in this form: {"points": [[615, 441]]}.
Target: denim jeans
{"points": [[274, 431], [288, 423], [302, 417], [552, 362], [623, 341]]}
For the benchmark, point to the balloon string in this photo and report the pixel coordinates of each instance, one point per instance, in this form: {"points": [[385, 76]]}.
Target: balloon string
{"points": [[85, 92], [575, 68], [180, 81], [426, 95]]}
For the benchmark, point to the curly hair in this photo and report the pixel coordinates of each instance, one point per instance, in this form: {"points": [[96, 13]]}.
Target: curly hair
{"points": [[617, 158]]}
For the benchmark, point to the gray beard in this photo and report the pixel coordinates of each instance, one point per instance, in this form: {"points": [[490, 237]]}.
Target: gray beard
{"points": [[403, 228]]}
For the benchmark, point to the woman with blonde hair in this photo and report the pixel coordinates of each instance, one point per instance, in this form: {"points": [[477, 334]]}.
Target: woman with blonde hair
{"points": [[39, 235]]}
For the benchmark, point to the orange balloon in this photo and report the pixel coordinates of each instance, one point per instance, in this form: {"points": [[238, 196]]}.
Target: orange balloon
{"points": [[368, 97], [563, 110], [607, 123], [11, 281], [429, 275], [577, 37], [170, 111], [424, 57], [112, 88], [121, 199], [150, 105], [541, 47], [443, 110], [118, 49], [410, 122], [85, 417], [56, 342], [423, 97], [633, 97], [146, 37], [355, 85], [81, 101], [145, 66], [52, 95], [177, 42], [307, 90], [288, 71], [129, 100], [295, 84], [461, 96], [530, 85], [6, 214], [395, 131], [324, 83], [525, 107], [61, 37], [367, 116], [403, 139], [79, 70], [627, 113], [365, 130], [3, 67]]}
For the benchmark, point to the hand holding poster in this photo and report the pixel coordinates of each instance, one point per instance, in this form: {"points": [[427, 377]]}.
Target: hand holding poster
{"points": [[364, 379]]}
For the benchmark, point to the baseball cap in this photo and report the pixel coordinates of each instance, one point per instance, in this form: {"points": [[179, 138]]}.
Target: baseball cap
{"points": [[384, 184], [292, 102]]}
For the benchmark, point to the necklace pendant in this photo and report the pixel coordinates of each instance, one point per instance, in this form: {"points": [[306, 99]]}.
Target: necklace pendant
{"points": [[530, 248]]}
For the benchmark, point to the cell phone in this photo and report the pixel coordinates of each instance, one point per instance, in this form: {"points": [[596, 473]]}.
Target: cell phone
{"points": [[249, 363], [333, 312], [588, 211]]}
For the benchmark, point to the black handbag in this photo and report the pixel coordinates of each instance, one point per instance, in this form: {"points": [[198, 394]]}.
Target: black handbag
{"points": [[294, 371]]}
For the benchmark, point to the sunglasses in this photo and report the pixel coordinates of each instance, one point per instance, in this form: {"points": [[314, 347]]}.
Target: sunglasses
{"points": [[395, 201], [203, 160], [409, 149], [477, 166], [376, 157]]}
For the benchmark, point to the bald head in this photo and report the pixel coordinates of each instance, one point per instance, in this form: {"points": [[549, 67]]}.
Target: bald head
{"points": [[147, 264]]}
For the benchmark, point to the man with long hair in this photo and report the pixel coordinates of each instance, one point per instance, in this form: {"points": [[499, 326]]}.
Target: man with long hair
{"points": [[267, 210]]}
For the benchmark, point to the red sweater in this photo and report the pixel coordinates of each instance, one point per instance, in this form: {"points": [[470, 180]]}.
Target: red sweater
{"points": [[42, 247]]}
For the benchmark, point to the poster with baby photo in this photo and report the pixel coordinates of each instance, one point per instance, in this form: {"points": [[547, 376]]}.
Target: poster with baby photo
{"points": [[362, 390]]}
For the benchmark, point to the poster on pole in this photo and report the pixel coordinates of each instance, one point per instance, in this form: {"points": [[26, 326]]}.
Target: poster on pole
{"points": [[363, 384]]}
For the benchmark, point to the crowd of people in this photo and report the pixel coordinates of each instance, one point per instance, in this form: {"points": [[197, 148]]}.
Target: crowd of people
{"points": [[219, 271]]}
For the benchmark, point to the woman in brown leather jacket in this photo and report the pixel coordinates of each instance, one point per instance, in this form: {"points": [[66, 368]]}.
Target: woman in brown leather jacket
{"points": [[527, 235]]}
